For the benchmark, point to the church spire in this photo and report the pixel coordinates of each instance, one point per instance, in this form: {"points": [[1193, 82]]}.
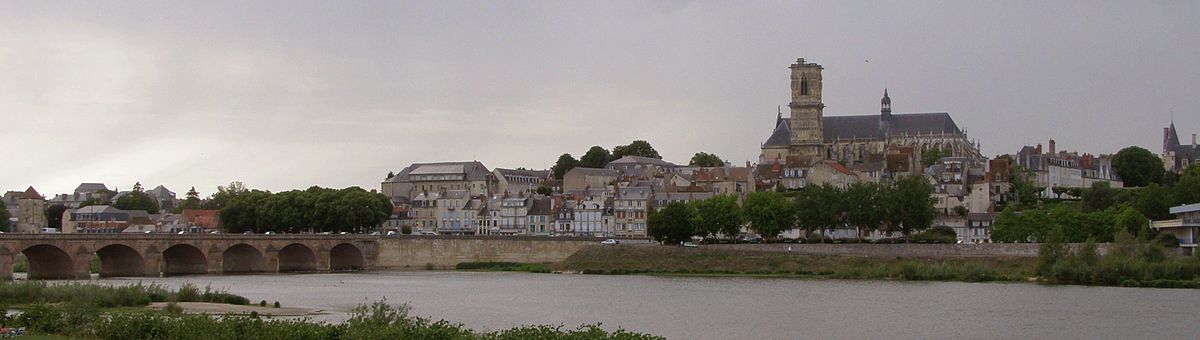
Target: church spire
{"points": [[885, 105]]}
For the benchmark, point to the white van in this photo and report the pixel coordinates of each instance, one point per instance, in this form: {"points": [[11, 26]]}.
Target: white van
{"points": [[49, 230]]}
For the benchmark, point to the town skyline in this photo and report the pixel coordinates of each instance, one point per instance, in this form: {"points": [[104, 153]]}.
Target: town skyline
{"points": [[279, 105]]}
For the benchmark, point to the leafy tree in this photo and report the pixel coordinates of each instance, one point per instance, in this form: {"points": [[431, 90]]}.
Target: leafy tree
{"points": [[1187, 190], [137, 200], [1024, 191], [596, 157], [912, 204], [4, 216], [820, 207], [1058, 191], [706, 159], [137, 187], [863, 210], [1138, 167], [672, 224], [636, 148], [224, 194], [717, 215], [241, 212], [54, 216], [544, 190], [769, 213], [1099, 197], [1153, 201], [190, 201], [565, 163], [390, 175], [928, 157]]}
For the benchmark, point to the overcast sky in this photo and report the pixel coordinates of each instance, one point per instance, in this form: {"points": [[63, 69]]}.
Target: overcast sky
{"points": [[289, 94]]}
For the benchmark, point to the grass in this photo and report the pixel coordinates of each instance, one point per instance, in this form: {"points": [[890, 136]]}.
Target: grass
{"points": [[505, 267], [726, 262], [103, 296]]}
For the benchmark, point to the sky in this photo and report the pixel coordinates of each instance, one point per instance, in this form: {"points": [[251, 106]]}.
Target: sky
{"points": [[290, 94]]}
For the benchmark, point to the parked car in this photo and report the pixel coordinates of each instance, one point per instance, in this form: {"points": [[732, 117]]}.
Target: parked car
{"points": [[610, 242], [688, 244]]}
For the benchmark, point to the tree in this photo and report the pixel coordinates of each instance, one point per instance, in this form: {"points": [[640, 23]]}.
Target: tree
{"points": [[54, 216], [241, 212], [1138, 167], [544, 190], [137, 187], [820, 207], [863, 209], [717, 215], [1023, 188], [1058, 191], [706, 159], [672, 224], [137, 200], [190, 201], [224, 194], [636, 148], [596, 157], [4, 216], [769, 213], [1101, 196], [912, 204], [390, 175], [1187, 190], [565, 163], [1154, 201]]}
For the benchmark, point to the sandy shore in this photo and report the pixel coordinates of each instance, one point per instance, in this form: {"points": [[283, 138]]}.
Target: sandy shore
{"points": [[221, 308]]}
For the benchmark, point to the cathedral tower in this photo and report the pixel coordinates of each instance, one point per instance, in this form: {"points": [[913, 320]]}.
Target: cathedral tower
{"points": [[807, 110]]}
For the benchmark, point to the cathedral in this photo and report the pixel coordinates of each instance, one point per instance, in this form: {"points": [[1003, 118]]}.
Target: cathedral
{"points": [[808, 135]]}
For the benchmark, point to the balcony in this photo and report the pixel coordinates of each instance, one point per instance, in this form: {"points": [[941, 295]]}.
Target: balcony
{"points": [[1176, 223]]}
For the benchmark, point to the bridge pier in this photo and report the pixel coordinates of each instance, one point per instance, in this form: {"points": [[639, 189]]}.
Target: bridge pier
{"points": [[271, 257], [214, 258], [323, 260], [6, 264], [83, 265], [153, 263]]}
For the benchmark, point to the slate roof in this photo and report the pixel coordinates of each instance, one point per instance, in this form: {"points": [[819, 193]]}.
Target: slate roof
{"points": [[161, 192], [868, 126], [474, 170], [643, 160], [543, 174], [596, 172], [541, 206], [90, 187]]}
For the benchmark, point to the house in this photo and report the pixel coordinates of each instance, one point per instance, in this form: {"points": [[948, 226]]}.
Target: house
{"points": [[1185, 226], [206, 220], [641, 166], [453, 215], [97, 219], [513, 215], [662, 199], [564, 217], [31, 212], [164, 197], [585, 178], [1061, 169], [631, 207], [541, 216]]}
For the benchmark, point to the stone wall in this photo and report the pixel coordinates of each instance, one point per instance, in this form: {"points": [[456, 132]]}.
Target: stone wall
{"points": [[903, 250], [444, 252]]}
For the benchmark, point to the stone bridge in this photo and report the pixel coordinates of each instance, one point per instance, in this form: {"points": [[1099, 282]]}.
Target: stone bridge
{"points": [[69, 256]]}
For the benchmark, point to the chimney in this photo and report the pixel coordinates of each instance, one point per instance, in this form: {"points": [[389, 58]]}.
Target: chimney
{"points": [[1052, 147], [748, 162], [1193, 141], [1039, 148]]}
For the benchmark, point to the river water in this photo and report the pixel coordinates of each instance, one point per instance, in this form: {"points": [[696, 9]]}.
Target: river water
{"points": [[740, 308]]}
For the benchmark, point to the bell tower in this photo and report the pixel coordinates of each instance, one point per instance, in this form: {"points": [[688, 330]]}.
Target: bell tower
{"points": [[807, 109]]}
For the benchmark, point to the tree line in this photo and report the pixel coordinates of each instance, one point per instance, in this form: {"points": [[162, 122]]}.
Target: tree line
{"points": [[313, 210], [598, 157], [904, 206]]}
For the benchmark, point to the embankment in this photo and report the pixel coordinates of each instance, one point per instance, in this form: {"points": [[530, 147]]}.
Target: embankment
{"points": [[723, 260]]}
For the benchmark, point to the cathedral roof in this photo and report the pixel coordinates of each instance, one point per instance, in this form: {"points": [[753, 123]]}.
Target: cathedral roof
{"points": [[782, 136], [1173, 137], [867, 126]]}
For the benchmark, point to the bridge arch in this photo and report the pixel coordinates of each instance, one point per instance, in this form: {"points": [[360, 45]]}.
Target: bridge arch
{"points": [[297, 257], [49, 262], [242, 258], [120, 260], [346, 256], [183, 259]]}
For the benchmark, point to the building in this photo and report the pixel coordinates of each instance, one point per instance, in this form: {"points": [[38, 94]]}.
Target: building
{"points": [[419, 178], [541, 216], [31, 212], [163, 196], [662, 199], [809, 134], [202, 220], [631, 207], [1185, 226], [513, 215], [1062, 169], [644, 167], [580, 178], [97, 219], [1176, 156]]}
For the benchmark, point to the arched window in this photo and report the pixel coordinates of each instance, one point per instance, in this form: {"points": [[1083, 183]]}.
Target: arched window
{"points": [[803, 86]]}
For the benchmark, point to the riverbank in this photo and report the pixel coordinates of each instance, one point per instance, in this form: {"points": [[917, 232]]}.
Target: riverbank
{"points": [[740, 262]]}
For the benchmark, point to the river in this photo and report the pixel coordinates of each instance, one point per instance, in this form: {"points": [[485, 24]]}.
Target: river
{"points": [[740, 308]]}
